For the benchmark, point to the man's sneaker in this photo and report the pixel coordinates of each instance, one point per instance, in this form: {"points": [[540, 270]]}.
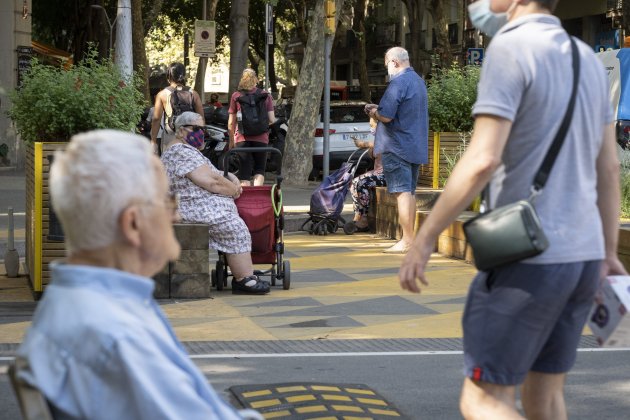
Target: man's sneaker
{"points": [[251, 285]]}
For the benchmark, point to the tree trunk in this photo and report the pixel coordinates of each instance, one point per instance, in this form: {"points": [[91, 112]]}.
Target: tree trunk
{"points": [[415, 12], [359, 28], [239, 41], [211, 10], [140, 62], [299, 142], [440, 24]]}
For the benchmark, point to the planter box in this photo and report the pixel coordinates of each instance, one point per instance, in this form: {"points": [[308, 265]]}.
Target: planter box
{"points": [[42, 243], [440, 144]]}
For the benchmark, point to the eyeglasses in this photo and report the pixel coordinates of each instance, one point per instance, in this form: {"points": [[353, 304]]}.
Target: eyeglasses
{"points": [[171, 202], [389, 61], [195, 127]]}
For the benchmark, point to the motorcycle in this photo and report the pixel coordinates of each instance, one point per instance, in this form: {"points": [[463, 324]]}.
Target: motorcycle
{"points": [[217, 142]]}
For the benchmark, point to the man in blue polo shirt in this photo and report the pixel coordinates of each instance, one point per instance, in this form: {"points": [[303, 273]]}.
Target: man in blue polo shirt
{"points": [[403, 138]]}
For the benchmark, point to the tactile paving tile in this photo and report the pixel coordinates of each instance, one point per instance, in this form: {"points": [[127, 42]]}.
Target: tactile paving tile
{"points": [[301, 401]]}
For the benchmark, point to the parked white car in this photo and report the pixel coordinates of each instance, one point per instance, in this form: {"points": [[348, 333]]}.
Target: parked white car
{"points": [[348, 120]]}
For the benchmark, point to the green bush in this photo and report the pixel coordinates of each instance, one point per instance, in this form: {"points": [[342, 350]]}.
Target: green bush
{"points": [[53, 103], [451, 94]]}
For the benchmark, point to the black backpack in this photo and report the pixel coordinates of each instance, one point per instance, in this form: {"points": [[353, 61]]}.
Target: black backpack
{"points": [[254, 113], [181, 100]]}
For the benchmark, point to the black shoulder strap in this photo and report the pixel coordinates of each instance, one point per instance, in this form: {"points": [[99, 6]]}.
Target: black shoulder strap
{"points": [[545, 168]]}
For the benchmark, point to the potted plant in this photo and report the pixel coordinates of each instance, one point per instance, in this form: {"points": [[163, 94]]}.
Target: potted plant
{"points": [[50, 106], [451, 94]]}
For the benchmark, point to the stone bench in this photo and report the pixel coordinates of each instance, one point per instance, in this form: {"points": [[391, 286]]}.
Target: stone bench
{"points": [[189, 276]]}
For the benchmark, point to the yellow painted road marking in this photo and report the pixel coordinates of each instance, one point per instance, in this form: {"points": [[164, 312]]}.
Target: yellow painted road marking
{"points": [[257, 393], [325, 388], [311, 409], [352, 408], [360, 391], [265, 403], [276, 414], [329, 397], [372, 401], [384, 412], [291, 388], [299, 398]]}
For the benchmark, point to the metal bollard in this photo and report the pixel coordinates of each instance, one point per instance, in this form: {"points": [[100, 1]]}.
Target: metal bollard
{"points": [[11, 257]]}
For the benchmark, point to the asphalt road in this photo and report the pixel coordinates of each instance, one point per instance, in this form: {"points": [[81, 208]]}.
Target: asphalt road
{"points": [[421, 386]]}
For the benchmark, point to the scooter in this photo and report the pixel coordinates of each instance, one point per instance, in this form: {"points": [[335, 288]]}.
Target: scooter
{"points": [[218, 140]]}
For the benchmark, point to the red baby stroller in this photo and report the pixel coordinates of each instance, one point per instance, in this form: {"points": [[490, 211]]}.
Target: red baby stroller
{"points": [[261, 210]]}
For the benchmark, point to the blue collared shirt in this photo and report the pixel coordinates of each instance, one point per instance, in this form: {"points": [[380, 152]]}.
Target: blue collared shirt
{"points": [[101, 348], [407, 134]]}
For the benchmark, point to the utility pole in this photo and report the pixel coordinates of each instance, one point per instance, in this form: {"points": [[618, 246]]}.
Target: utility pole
{"points": [[328, 40], [204, 60], [268, 41], [124, 46]]}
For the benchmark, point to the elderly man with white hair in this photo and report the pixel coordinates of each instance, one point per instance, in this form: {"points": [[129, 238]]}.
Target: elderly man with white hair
{"points": [[99, 346]]}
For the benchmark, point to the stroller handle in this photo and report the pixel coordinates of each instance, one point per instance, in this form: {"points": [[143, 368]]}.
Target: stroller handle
{"points": [[246, 150]]}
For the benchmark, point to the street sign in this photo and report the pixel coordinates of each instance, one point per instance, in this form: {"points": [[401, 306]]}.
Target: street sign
{"points": [[474, 56], [269, 19], [270, 39], [205, 38]]}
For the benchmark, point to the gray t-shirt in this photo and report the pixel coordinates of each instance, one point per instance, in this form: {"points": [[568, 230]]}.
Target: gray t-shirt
{"points": [[527, 78]]}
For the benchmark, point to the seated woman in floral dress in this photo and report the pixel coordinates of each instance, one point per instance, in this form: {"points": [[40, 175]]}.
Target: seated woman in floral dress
{"points": [[362, 184], [206, 196]]}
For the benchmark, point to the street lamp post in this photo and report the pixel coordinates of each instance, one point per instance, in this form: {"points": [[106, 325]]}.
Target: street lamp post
{"points": [[111, 24]]}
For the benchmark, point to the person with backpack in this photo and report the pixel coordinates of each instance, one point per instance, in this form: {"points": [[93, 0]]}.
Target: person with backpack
{"points": [[250, 114], [170, 103]]}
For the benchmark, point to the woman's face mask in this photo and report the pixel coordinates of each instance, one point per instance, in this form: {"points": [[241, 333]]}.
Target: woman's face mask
{"points": [[485, 19], [195, 137]]}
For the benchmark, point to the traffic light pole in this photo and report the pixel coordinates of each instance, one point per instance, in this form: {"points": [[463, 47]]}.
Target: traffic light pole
{"points": [[327, 50]]}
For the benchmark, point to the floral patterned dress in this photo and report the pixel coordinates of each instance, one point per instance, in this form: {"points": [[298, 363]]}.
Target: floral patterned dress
{"points": [[228, 232]]}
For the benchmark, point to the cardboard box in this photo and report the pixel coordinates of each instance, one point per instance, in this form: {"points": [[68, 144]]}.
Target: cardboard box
{"points": [[609, 319]]}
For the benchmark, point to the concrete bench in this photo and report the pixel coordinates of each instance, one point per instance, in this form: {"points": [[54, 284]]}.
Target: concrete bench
{"points": [[189, 276]]}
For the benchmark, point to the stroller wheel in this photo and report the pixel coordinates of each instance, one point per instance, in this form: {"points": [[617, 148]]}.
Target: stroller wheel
{"points": [[286, 274], [332, 226], [273, 275], [349, 228], [221, 276]]}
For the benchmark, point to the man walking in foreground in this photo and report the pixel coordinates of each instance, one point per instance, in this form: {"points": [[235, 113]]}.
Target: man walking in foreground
{"points": [[522, 321], [403, 138], [100, 346]]}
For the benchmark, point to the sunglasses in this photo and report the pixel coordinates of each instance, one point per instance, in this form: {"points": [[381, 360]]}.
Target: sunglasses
{"points": [[195, 127]]}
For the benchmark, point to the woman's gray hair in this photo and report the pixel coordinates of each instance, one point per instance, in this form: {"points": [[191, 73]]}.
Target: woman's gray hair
{"points": [[397, 53], [187, 118], [99, 174]]}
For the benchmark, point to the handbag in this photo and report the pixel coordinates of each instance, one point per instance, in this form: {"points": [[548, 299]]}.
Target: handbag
{"points": [[513, 232]]}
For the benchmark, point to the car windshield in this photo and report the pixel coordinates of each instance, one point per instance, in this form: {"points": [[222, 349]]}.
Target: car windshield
{"points": [[348, 114]]}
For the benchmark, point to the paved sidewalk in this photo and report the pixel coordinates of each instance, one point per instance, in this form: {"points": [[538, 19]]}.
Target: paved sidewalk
{"points": [[342, 287]]}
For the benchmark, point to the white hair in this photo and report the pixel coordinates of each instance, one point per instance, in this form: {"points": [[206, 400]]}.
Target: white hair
{"points": [[397, 53], [186, 118], [99, 174]]}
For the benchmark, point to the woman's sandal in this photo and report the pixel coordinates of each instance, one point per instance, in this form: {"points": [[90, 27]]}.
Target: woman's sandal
{"points": [[258, 288]]}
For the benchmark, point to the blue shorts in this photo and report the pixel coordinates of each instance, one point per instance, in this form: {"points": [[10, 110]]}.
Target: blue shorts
{"points": [[526, 317], [400, 175]]}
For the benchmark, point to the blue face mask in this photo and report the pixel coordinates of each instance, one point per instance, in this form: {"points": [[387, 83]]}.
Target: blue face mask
{"points": [[485, 19]]}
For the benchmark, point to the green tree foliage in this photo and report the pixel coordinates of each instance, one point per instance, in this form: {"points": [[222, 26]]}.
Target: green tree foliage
{"points": [[54, 104], [452, 93]]}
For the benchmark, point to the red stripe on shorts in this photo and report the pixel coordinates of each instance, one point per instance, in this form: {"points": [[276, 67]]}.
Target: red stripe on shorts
{"points": [[476, 376]]}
